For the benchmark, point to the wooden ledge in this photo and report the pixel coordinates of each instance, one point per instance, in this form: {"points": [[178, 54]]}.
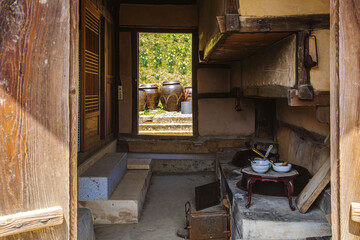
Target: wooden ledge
{"points": [[320, 99], [355, 212], [30, 221]]}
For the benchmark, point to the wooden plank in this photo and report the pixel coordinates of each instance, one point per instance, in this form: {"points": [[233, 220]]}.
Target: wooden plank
{"points": [[355, 212], [345, 54], [320, 99], [30, 221], [35, 43], [313, 189]]}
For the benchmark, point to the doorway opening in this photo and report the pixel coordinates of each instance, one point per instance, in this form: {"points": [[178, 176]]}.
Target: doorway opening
{"points": [[165, 84]]}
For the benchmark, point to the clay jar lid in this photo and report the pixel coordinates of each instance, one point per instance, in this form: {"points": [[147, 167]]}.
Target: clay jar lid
{"points": [[173, 82], [149, 86], [188, 87]]}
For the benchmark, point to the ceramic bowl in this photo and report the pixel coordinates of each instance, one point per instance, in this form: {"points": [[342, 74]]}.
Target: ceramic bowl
{"points": [[260, 161], [281, 169], [260, 168]]}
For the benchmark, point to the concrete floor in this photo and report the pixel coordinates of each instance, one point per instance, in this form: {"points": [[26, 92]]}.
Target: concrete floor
{"points": [[163, 212]]}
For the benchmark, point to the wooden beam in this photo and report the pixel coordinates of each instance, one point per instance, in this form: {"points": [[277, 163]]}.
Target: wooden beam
{"points": [[215, 95], [266, 92], [30, 221], [231, 6], [305, 90], [355, 212], [284, 24], [232, 22], [320, 99]]}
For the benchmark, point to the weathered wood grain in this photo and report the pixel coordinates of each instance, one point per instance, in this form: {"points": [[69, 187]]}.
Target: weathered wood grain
{"points": [[313, 189], [334, 119], [74, 110], [34, 115], [30, 221], [345, 108]]}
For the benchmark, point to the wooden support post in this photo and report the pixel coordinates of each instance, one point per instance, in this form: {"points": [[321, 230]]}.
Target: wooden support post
{"points": [[305, 90], [345, 124]]}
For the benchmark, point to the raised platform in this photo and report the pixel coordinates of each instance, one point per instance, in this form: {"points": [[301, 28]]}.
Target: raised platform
{"points": [[99, 181], [268, 217], [125, 203]]}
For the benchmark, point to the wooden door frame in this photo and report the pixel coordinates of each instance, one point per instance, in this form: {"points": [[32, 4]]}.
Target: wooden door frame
{"points": [[74, 112], [134, 55]]}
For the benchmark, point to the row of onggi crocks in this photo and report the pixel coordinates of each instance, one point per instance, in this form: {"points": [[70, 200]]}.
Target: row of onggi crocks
{"points": [[171, 95]]}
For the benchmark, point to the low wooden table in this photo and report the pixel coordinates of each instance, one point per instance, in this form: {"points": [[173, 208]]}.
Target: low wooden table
{"points": [[270, 176]]}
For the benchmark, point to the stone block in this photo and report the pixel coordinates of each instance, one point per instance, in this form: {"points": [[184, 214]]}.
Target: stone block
{"points": [[99, 181]]}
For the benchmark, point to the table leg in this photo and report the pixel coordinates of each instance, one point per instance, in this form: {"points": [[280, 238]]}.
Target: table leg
{"points": [[290, 191], [249, 190]]}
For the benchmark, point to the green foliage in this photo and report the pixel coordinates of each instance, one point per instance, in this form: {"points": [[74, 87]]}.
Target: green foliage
{"points": [[164, 57], [158, 110]]}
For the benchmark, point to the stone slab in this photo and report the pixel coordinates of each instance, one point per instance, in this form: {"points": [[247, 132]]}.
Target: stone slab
{"points": [[179, 163], [125, 204], [139, 163], [85, 227], [99, 181], [268, 217]]}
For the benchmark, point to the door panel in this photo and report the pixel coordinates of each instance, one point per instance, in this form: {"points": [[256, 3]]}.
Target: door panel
{"points": [[38, 72], [90, 76]]}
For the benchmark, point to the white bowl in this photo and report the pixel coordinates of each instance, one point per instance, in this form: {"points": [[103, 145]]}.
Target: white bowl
{"points": [[260, 161], [282, 169], [260, 168]]}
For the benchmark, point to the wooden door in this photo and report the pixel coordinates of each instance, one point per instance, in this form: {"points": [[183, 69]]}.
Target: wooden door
{"points": [[38, 119], [90, 76]]}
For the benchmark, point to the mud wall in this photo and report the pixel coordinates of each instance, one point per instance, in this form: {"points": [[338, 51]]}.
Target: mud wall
{"points": [[261, 8], [301, 136]]}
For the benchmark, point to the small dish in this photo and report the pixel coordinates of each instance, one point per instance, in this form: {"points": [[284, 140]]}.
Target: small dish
{"points": [[281, 169]]}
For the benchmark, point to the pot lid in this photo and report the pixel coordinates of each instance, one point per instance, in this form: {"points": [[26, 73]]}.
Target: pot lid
{"points": [[188, 87], [172, 82], [148, 86]]}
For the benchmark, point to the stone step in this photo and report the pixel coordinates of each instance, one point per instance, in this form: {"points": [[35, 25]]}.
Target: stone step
{"points": [[99, 181], [125, 204], [178, 163], [167, 133], [139, 163], [178, 118], [165, 127]]}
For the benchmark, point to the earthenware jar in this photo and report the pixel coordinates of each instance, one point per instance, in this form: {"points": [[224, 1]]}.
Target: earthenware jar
{"points": [[152, 95], [171, 95], [142, 99], [188, 93]]}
